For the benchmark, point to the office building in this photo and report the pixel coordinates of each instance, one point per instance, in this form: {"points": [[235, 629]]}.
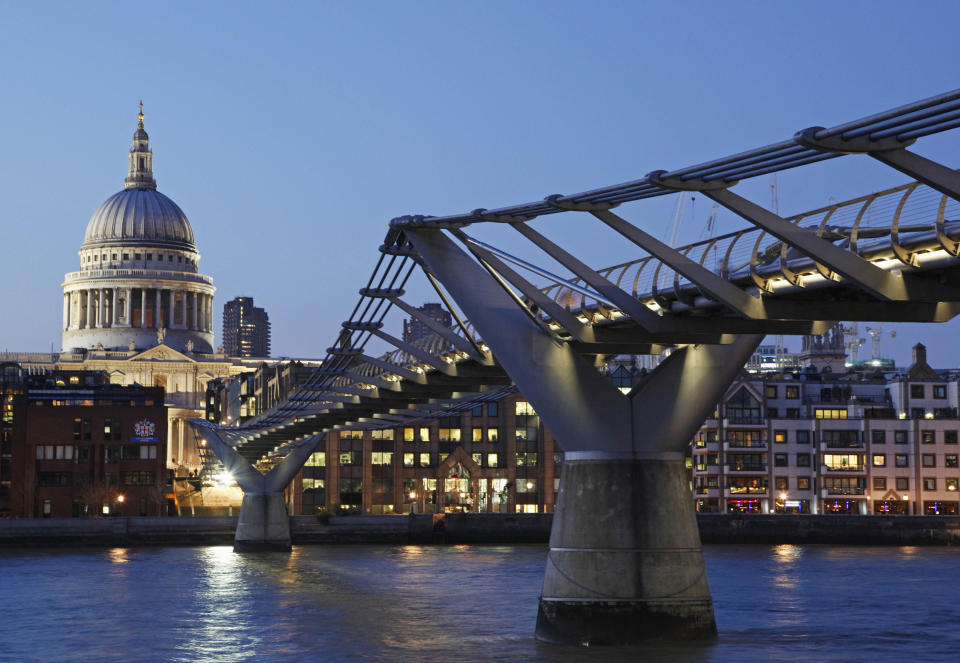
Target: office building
{"points": [[246, 329]]}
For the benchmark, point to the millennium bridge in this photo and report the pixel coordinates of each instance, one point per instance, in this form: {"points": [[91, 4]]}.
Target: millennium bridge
{"points": [[625, 562]]}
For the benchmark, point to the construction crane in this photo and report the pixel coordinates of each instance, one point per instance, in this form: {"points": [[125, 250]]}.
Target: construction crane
{"points": [[852, 342], [876, 335], [678, 218], [775, 208]]}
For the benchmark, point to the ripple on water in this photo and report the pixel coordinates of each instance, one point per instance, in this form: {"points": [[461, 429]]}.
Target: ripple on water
{"points": [[465, 603]]}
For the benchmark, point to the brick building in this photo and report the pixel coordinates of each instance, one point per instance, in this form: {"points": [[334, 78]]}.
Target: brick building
{"points": [[493, 457], [82, 447]]}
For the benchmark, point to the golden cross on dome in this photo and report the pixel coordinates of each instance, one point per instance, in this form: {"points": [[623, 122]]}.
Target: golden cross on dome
{"points": [[140, 116]]}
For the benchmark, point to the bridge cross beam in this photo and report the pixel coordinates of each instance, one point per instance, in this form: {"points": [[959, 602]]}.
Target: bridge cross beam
{"points": [[263, 523], [625, 561]]}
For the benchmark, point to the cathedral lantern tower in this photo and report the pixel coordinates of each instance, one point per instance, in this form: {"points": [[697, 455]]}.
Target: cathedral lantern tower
{"points": [[139, 283]]}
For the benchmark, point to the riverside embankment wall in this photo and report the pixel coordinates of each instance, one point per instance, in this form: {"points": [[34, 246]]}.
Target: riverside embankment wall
{"points": [[471, 528]]}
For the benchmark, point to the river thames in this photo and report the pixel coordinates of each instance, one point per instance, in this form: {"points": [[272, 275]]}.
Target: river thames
{"points": [[456, 603]]}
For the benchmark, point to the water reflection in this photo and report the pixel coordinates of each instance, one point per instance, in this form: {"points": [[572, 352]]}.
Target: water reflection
{"points": [[436, 603], [219, 608], [118, 555]]}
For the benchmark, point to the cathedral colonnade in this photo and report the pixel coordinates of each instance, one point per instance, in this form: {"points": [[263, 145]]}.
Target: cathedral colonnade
{"points": [[87, 307]]}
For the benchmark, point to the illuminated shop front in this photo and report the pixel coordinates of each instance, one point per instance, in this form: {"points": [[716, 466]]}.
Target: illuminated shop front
{"points": [[940, 508], [743, 506], [786, 504], [891, 507], [844, 506]]}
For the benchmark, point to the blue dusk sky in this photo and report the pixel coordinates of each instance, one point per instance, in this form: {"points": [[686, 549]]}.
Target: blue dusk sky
{"points": [[291, 133]]}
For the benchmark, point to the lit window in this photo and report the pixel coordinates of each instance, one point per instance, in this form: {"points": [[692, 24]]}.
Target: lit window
{"points": [[879, 460], [408, 435], [491, 460], [523, 407], [830, 413], [424, 434], [425, 460], [526, 459], [842, 462], [493, 435], [448, 434], [477, 435]]}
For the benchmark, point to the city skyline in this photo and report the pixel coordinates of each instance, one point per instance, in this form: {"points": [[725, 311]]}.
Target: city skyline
{"points": [[299, 133]]}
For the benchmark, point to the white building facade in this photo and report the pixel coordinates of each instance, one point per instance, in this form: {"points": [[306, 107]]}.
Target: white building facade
{"points": [[824, 442]]}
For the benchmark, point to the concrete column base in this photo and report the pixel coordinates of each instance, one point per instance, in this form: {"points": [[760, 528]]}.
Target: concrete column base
{"points": [[263, 524], [625, 563]]}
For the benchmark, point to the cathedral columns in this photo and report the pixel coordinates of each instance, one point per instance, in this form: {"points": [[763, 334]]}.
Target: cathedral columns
{"points": [[90, 310], [171, 309], [157, 316], [143, 307], [66, 311], [102, 308], [129, 308], [195, 321]]}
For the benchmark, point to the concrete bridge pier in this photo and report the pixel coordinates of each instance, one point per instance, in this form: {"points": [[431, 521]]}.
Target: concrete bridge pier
{"points": [[625, 563], [263, 523]]}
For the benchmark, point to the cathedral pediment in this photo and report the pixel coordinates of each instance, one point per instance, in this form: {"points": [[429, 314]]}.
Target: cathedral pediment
{"points": [[162, 353]]}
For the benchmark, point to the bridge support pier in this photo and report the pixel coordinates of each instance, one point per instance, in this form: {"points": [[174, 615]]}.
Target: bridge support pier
{"points": [[263, 524], [625, 563]]}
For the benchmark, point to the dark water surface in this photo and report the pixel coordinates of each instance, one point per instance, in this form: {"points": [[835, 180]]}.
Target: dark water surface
{"points": [[458, 603]]}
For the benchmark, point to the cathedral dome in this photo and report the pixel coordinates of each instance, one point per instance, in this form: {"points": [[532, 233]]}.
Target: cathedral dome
{"points": [[139, 283], [139, 215], [142, 217]]}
